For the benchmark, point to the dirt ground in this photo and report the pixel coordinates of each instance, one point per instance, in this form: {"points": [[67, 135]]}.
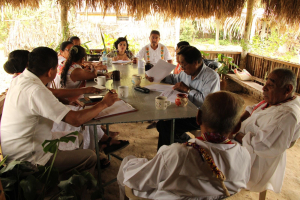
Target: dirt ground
{"points": [[143, 143]]}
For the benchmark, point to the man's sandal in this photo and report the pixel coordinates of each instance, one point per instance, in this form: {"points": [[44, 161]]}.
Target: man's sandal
{"points": [[110, 148], [104, 163]]}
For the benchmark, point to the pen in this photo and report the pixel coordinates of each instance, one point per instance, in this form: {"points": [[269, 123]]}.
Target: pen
{"points": [[111, 92]]}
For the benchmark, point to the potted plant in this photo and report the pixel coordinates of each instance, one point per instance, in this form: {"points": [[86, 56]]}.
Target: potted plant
{"points": [[225, 68]]}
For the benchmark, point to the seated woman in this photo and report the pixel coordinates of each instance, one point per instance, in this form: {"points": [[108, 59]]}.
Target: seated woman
{"points": [[178, 68], [73, 76], [63, 54], [17, 62], [121, 52]]}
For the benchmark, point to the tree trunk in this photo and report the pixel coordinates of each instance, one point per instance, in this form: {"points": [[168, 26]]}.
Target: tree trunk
{"points": [[245, 44], [64, 22], [263, 31], [217, 32]]}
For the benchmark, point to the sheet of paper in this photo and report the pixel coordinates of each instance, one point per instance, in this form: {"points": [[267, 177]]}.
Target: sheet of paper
{"points": [[118, 107], [170, 94], [121, 61], [160, 70], [159, 87]]}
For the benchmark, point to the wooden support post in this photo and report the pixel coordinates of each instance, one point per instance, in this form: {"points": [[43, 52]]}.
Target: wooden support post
{"points": [[247, 31], [217, 32], [263, 31], [64, 22]]}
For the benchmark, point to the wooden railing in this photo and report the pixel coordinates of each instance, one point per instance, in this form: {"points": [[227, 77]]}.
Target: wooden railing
{"points": [[234, 54], [260, 67]]}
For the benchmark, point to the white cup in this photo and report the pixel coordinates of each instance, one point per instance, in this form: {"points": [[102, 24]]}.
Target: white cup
{"points": [[100, 80], [161, 103], [123, 91], [141, 64], [136, 80]]}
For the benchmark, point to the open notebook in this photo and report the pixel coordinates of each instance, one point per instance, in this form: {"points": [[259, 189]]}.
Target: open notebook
{"points": [[119, 107]]}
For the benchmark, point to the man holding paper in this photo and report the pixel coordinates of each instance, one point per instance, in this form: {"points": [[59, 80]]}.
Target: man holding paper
{"points": [[195, 79], [154, 51]]}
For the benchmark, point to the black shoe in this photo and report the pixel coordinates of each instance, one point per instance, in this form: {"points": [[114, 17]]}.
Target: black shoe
{"points": [[152, 125], [110, 148]]}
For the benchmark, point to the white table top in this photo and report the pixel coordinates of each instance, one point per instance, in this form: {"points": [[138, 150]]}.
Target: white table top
{"points": [[144, 103]]}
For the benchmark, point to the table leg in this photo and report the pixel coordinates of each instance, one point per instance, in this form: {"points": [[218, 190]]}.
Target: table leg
{"points": [[98, 162], [172, 131], [107, 133]]}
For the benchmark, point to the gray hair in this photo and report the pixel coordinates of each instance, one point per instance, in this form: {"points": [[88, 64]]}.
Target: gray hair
{"points": [[221, 111], [287, 77]]}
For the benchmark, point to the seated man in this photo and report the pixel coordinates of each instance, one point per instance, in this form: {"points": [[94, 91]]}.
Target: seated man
{"points": [[183, 171], [154, 51], [269, 128], [30, 110], [75, 40], [197, 80]]}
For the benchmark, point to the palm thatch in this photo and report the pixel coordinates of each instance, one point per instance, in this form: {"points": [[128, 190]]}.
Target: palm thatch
{"points": [[287, 11], [167, 8], [174, 8]]}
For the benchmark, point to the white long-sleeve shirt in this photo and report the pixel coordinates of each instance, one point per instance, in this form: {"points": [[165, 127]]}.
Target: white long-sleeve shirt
{"points": [[269, 133], [177, 172]]}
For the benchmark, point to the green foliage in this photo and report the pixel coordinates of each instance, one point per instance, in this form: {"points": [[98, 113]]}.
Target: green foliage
{"points": [[22, 180], [188, 30], [269, 46], [226, 63], [134, 46], [204, 54]]}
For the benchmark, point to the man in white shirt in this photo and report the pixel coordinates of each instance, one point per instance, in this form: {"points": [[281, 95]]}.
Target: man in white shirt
{"points": [[30, 110], [185, 171], [269, 128], [154, 51]]}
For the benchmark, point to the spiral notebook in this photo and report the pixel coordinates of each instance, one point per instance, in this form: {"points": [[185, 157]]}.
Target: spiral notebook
{"points": [[119, 107]]}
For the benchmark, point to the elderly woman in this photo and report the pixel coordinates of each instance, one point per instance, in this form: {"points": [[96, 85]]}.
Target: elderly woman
{"points": [[269, 128], [121, 52]]}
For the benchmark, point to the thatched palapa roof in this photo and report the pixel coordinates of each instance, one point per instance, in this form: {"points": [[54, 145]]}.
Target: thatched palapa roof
{"points": [[168, 8], [283, 10]]}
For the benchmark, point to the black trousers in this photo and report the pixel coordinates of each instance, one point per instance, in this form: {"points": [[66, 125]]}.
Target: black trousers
{"points": [[181, 126]]}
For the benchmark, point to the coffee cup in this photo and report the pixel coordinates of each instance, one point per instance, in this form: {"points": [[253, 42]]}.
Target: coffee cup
{"points": [[100, 80], [135, 60], [123, 91], [181, 100], [161, 103], [136, 80], [115, 76]]}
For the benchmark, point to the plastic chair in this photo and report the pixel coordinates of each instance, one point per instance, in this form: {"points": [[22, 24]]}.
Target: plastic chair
{"points": [[263, 195]]}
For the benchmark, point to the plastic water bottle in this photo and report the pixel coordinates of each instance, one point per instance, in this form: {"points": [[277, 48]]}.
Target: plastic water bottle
{"points": [[104, 58]]}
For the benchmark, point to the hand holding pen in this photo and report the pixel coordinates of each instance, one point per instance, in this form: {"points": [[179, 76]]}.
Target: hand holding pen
{"points": [[110, 98]]}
